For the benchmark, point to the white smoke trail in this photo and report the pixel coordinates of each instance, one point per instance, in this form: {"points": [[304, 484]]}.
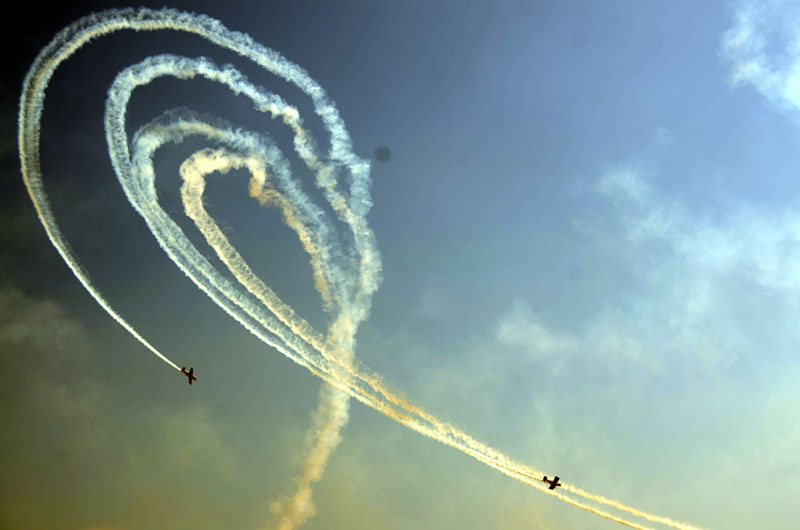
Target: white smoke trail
{"points": [[346, 278], [332, 413]]}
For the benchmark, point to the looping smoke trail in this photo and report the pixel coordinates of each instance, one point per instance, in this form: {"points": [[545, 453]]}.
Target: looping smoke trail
{"points": [[345, 277]]}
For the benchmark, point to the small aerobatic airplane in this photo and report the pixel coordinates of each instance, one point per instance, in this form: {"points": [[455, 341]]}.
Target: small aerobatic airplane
{"points": [[190, 376], [553, 483]]}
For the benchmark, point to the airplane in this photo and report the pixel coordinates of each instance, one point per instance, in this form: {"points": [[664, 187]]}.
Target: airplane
{"points": [[553, 483], [190, 376]]}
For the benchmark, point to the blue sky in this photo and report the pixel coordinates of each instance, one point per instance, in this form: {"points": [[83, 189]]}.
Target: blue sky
{"points": [[589, 232]]}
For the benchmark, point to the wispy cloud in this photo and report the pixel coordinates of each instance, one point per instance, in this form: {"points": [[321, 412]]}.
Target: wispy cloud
{"points": [[520, 328], [762, 246], [68, 432], [763, 48], [708, 288], [693, 336]]}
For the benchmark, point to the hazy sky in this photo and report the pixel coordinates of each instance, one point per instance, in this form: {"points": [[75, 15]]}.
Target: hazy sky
{"points": [[590, 232]]}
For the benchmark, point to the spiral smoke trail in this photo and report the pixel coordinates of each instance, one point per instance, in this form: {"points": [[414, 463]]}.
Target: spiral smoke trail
{"points": [[345, 274]]}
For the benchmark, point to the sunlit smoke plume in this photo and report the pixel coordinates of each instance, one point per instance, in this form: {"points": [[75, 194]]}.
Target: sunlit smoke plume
{"points": [[346, 269]]}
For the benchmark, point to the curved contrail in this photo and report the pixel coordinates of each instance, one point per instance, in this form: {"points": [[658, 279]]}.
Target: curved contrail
{"points": [[346, 266]]}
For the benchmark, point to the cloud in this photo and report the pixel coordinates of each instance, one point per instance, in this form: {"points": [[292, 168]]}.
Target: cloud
{"points": [[520, 328], [72, 441], [636, 206], [762, 246], [371, 485], [763, 48], [671, 373], [40, 326], [702, 293], [700, 277]]}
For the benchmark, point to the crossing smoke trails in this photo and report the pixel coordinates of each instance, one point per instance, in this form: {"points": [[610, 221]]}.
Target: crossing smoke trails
{"points": [[346, 266]]}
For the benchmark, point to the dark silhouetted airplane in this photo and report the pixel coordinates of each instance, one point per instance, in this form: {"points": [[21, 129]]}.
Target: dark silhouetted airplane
{"points": [[553, 483], [190, 376]]}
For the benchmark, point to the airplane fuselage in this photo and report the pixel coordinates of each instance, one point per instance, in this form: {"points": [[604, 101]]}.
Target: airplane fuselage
{"points": [[189, 375], [553, 483]]}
